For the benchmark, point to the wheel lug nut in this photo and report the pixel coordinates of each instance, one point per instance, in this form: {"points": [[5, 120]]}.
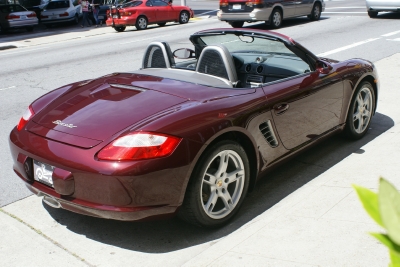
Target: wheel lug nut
{"points": [[226, 180]]}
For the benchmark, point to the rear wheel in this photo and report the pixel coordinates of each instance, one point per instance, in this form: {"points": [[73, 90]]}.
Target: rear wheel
{"points": [[236, 24], [218, 186], [120, 28], [161, 24], [316, 12], [372, 14], [184, 17], [141, 23], [360, 111], [276, 18]]}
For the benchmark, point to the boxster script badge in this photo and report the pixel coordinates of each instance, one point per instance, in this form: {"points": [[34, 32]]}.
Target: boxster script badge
{"points": [[64, 124]]}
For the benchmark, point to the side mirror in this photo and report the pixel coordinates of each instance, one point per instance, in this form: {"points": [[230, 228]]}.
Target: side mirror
{"points": [[323, 67], [184, 53]]}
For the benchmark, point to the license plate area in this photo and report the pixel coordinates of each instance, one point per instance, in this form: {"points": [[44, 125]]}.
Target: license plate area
{"points": [[43, 173], [236, 6], [115, 16]]}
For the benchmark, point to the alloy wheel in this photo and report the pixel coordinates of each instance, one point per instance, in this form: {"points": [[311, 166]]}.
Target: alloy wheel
{"points": [[362, 110], [222, 184]]}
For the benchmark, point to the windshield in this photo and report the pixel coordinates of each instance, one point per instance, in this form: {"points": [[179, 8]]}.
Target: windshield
{"points": [[58, 4], [247, 44]]}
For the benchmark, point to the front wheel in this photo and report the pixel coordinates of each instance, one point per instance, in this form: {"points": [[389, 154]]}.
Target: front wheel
{"points": [[236, 24], [184, 17], [218, 186], [276, 18], [120, 28], [360, 111], [141, 23], [315, 13]]}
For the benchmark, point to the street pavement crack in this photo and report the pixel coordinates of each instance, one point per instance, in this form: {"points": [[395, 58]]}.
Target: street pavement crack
{"points": [[46, 237]]}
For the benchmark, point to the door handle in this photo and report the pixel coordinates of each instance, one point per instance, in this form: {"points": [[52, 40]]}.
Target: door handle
{"points": [[281, 108]]}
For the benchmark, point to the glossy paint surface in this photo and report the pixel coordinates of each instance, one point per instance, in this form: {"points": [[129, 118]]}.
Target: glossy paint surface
{"points": [[73, 123]]}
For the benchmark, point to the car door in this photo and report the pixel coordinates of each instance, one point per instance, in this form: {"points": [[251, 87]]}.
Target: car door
{"points": [[149, 10], [305, 107], [289, 8], [163, 10], [303, 7]]}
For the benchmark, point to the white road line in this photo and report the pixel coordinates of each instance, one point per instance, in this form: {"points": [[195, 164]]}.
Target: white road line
{"points": [[1, 89], [22, 51], [146, 39], [206, 12], [397, 39], [333, 12], [347, 47], [345, 7], [390, 34]]}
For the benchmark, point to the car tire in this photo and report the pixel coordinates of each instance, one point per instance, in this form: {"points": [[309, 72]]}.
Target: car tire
{"points": [[316, 12], [120, 28], [184, 17], [276, 18], [216, 190], [360, 112], [372, 14], [161, 24], [236, 24], [141, 23], [29, 29]]}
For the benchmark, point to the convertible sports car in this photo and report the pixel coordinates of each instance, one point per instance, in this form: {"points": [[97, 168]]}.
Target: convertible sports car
{"points": [[189, 137], [142, 13]]}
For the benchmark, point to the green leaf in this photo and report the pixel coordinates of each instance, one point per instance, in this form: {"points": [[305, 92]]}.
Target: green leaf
{"points": [[369, 200], [389, 208], [385, 239], [395, 259]]}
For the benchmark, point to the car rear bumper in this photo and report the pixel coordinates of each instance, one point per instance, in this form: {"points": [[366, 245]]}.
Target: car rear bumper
{"points": [[255, 15], [54, 21], [23, 23], [121, 22], [114, 190], [389, 5]]}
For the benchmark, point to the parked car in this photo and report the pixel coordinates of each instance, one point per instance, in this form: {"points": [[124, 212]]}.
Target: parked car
{"points": [[375, 6], [15, 16], [142, 13], [273, 12], [60, 11], [190, 137]]}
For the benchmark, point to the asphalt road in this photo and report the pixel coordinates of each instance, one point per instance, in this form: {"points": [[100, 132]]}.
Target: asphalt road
{"points": [[27, 73]]}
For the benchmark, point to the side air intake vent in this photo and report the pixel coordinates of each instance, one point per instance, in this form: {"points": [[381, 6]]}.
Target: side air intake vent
{"points": [[268, 133]]}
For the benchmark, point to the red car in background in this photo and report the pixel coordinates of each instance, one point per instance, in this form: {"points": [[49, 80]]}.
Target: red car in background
{"points": [[142, 13]]}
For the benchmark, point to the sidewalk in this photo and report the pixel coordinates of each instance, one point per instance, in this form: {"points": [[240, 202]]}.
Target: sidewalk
{"points": [[321, 223]]}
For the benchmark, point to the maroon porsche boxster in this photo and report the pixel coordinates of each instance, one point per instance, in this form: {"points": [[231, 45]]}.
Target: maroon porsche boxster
{"points": [[189, 137]]}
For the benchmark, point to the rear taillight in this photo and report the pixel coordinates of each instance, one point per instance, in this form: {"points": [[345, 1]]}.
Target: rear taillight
{"points": [[25, 118], [32, 15], [140, 145], [65, 14], [12, 16], [223, 3], [254, 2], [126, 13]]}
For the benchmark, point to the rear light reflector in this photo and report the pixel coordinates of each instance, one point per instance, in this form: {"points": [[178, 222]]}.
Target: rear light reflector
{"points": [[12, 16], [140, 145], [65, 14], [254, 2], [25, 118], [223, 3], [32, 15]]}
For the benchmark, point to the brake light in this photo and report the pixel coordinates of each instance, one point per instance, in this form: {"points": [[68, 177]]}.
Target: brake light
{"points": [[25, 118], [65, 14], [12, 16], [32, 15], [126, 13], [140, 145], [254, 2], [223, 3]]}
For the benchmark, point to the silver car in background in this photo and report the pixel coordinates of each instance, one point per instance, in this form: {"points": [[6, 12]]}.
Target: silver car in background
{"points": [[15, 16], [59, 11], [273, 12], [375, 6]]}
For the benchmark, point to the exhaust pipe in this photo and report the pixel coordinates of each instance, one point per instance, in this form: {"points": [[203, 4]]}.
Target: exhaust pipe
{"points": [[51, 202]]}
